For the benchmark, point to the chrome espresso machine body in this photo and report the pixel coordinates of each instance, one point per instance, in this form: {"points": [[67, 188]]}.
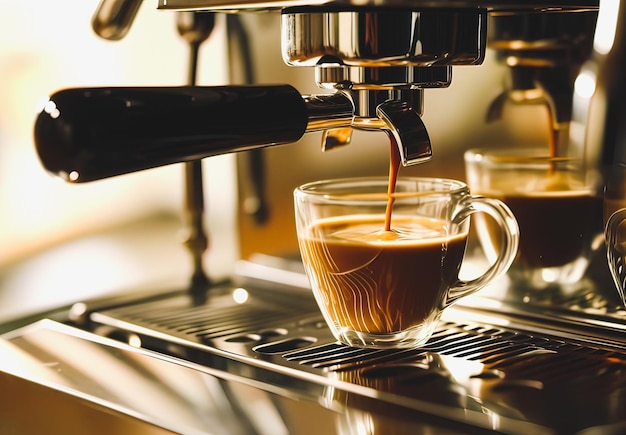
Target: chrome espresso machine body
{"points": [[252, 354]]}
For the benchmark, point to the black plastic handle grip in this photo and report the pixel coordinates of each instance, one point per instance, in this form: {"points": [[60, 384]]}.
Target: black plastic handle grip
{"points": [[93, 133]]}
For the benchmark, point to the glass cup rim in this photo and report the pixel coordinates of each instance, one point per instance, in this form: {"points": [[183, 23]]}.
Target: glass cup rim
{"points": [[325, 189], [513, 155]]}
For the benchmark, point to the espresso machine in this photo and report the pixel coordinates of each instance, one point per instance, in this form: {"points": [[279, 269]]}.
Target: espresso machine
{"points": [[251, 353]]}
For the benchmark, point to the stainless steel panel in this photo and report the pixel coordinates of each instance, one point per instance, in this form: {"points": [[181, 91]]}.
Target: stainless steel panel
{"points": [[503, 369], [77, 382]]}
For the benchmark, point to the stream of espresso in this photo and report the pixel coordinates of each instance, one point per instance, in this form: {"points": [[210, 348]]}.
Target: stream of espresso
{"points": [[394, 167], [553, 139], [394, 163]]}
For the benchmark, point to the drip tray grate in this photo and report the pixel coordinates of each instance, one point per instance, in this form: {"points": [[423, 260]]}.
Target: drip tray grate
{"points": [[562, 384]]}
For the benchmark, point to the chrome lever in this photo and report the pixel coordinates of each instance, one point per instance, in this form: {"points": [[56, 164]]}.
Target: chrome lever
{"points": [[409, 131]]}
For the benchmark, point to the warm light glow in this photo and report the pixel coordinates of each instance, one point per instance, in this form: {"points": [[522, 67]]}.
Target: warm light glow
{"points": [[511, 61], [365, 425], [134, 340], [60, 275], [461, 370], [549, 275], [606, 25], [49, 106], [495, 421], [51, 109], [240, 295], [41, 104], [452, 314], [37, 210], [585, 84]]}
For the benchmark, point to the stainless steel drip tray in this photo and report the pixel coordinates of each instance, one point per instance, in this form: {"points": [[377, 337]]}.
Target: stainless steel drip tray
{"points": [[478, 369]]}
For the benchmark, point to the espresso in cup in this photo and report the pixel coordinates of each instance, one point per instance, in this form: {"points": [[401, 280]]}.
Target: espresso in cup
{"points": [[558, 212], [556, 227], [377, 281], [382, 271]]}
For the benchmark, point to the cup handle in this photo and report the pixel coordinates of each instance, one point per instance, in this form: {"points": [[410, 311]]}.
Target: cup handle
{"points": [[615, 255], [508, 248]]}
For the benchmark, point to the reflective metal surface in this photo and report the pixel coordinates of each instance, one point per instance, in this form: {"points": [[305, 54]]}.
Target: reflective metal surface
{"points": [[77, 382], [383, 37], [254, 356], [490, 366], [136, 390]]}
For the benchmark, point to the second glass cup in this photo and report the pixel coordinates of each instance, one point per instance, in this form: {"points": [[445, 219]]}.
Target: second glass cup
{"points": [[558, 209], [615, 235], [615, 227], [384, 267]]}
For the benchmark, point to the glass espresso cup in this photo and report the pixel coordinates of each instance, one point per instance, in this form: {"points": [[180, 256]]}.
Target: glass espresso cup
{"points": [[386, 286], [615, 236], [559, 213], [615, 227]]}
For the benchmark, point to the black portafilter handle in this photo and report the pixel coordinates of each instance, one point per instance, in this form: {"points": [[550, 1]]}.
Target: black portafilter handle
{"points": [[93, 133]]}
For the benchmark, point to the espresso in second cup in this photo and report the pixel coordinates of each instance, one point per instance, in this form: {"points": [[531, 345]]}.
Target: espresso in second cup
{"points": [[559, 213], [556, 227], [376, 281]]}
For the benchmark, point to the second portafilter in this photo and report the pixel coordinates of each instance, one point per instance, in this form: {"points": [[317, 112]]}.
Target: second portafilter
{"points": [[543, 53]]}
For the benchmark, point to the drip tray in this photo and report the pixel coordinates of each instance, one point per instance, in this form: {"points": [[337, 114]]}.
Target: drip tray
{"points": [[485, 373]]}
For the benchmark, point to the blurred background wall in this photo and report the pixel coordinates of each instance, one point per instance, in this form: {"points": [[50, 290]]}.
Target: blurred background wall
{"points": [[60, 241]]}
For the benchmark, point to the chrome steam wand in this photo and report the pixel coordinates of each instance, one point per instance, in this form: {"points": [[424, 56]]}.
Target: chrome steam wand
{"points": [[195, 28]]}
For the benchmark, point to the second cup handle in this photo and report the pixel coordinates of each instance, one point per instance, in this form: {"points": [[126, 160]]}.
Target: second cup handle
{"points": [[615, 255], [508, 248]]}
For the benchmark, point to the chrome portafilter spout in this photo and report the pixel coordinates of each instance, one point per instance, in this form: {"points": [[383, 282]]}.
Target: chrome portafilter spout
{"points": [[393, 112], [544, 53], [384, 99]]}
